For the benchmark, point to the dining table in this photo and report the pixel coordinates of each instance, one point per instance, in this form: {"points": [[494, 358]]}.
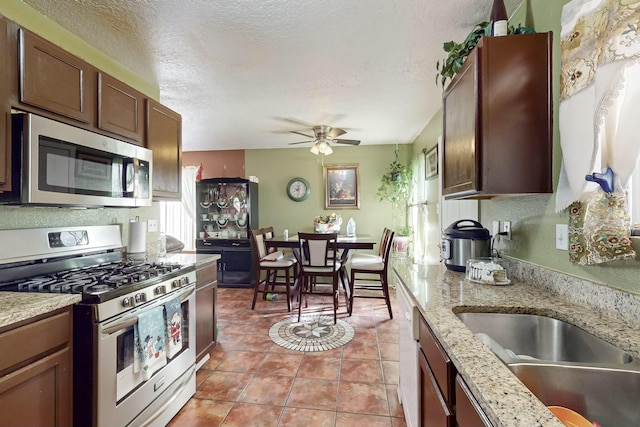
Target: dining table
{"points": [[345, 245]]}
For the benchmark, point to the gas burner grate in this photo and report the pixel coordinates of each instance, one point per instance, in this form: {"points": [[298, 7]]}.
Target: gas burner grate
{"points": [[96, 280]]}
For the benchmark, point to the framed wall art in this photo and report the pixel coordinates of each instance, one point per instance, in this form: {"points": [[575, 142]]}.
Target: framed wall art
{"points": [[341, 187], [431, 163]]}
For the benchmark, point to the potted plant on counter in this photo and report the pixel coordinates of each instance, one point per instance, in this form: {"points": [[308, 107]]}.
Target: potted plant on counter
{"points": [[401, 241]]}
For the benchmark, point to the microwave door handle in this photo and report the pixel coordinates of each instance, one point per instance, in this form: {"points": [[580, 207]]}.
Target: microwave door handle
{"points": [[129, 176]]}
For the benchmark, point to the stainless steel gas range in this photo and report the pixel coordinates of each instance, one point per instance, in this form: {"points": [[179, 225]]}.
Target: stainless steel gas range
{"points": [[134, 329]]}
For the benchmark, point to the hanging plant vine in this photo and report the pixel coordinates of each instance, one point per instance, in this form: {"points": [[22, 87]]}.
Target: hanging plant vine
{"points": [[396, 183]]}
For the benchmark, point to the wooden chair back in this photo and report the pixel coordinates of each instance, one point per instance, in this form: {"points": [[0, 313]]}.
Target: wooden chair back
{"points": [[317, 249]]}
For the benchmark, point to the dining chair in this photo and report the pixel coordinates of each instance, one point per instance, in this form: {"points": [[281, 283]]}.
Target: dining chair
{"points": [[280, 270], [368, 268], [317, 255]]}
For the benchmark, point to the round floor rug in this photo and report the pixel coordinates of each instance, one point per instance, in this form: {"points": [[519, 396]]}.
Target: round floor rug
{"points": [[312, 333]]}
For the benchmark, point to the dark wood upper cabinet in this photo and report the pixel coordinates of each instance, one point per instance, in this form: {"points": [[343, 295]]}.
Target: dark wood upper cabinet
{"points": [[120, 108], [54, 80], [164, 138], [497, 120], [5, 108]]}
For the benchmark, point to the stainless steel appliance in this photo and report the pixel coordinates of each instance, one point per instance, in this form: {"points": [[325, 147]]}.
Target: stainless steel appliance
{"points": [[60, 165], [227, 208], [463, 240], [110, 389]]}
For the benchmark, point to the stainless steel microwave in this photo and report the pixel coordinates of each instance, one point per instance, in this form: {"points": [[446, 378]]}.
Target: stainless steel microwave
{"points": [[57, 164]]}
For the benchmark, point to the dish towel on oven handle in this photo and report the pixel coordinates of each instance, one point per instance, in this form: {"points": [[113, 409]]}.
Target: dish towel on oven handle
{"points": [[173, 312], [150, 341]]}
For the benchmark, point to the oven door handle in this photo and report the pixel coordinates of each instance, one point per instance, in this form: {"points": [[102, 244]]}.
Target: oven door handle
{"points": [[130, 321], [183, 297], [119, 326]]}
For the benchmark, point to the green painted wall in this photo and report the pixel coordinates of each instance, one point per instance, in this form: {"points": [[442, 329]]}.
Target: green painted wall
{"points": [[533, 217], [274, 169]]}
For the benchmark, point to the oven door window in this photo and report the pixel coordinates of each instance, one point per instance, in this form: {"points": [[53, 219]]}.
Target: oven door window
{"points": [[70, 168], [129, 375]]}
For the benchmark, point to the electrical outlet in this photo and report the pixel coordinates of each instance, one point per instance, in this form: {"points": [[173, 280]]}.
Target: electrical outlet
{"points": [[496, 228], [562, 237], [152, 226], [506, 228]]}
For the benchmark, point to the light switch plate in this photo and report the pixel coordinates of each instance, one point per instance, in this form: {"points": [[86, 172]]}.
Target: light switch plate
{"points": [[562, 237], [152, 225]]}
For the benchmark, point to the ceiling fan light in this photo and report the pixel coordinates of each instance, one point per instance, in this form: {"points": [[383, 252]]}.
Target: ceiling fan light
{"points": [[315, 150], [327, 149]]}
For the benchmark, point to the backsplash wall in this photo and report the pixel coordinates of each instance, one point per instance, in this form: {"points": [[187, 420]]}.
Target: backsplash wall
{"points": [[18, 217]]}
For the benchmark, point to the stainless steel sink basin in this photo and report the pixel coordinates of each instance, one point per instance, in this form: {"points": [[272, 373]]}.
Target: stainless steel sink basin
{"points": [[544, 338], [607, 396]]}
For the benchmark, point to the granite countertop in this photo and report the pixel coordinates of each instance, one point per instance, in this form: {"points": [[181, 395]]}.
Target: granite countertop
{"points": [[191, 258], [440, 293], [18, 306]]}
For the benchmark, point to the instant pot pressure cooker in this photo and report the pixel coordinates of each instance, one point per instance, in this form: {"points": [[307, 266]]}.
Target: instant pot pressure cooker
{"points": [[463, 240]]}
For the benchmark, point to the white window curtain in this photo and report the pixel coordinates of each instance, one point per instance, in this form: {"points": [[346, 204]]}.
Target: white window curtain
{"points": [[178, 218], [599, 102], [417, 212]]}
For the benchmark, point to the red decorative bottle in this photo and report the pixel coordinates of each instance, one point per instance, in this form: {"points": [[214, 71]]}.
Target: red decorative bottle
{"points": [[498, 18]]}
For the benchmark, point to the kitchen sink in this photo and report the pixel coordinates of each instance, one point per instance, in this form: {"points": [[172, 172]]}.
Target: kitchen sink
{"points": [[608, 396], [518, 337]]}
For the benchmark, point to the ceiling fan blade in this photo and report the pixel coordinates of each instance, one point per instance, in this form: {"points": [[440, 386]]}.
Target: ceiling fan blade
{"points": [[335, 132], [301, 142], [347, 141], [302, 133], [295, 121]]}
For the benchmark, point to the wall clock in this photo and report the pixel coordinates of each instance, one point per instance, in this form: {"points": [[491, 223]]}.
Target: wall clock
{"points": [[298, 189]]}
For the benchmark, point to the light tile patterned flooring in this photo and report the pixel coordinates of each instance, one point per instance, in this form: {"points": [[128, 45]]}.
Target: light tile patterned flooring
{"points": [[252, 382]]}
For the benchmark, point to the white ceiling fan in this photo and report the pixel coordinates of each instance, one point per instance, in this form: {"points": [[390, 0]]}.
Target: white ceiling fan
{"points": [[322, 138]]}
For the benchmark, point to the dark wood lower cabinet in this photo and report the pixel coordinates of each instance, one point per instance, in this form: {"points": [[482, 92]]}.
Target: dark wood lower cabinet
{"points": [[206, 288], [434, 410], [36, 373], [468, 411], [445, 399]]}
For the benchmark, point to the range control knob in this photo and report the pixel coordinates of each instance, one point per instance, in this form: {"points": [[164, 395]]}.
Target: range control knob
{"points": [[141, 297], [185, 281], [159, 290], [175, 283], [128, 302]]}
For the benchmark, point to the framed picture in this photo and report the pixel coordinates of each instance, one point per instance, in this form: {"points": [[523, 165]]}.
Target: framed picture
{"points": [[431, 163], [341, 187]]}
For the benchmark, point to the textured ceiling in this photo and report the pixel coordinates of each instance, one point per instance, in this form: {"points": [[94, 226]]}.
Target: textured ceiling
{"points": [[234, 69]]}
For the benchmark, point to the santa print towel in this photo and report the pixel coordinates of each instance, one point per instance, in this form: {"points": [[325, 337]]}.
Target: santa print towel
{"points": [[173, 312], [150, 331]]}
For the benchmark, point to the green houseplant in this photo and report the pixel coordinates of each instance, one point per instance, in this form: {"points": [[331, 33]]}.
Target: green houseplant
{"points": [[458, 52], [395, 186], [396, 183]]}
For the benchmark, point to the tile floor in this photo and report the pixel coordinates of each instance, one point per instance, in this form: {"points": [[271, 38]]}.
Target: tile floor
{"points": [[252, 382]]}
